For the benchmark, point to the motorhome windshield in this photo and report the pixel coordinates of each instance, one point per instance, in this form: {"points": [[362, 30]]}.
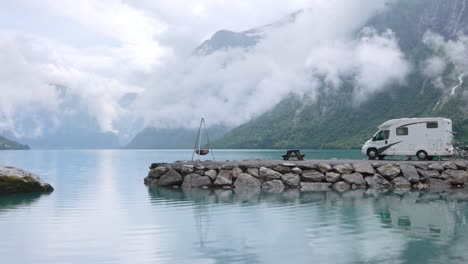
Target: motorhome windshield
{"points": [[381, 135]]}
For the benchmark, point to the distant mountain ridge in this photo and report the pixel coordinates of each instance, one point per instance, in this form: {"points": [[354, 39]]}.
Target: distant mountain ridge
{"points": [[332, 121], [6, 144]]}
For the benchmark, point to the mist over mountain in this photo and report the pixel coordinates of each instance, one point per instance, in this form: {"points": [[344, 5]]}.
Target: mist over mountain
{"points": [[6, 144]]}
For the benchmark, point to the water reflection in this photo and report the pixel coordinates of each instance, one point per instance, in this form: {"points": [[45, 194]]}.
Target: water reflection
{"points": [[13, 201], [357, 226]]}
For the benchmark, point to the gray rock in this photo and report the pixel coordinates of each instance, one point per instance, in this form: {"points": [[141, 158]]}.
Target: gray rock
{"points": [[363, 168], [199, 167], [157, 172], [332, 177], [449, 166], [291, 180], [187, 169], [296, 170], [378, 182], [355, 178], [266, 174], [426, 174], [312, 176], [171, 178], [224, 178], [14, 180], [436, 166], [421, 166], [461, 164], [236, 172], [341, 186], [200, 172], [315, 186], [410, 173], [194, 180], [247, 181], [288, 164], [401, 183], [307, 166], [389, 171], [275, 186], [253, 172], [324, 167], [228, 166], [344, 168], [456, 177], [212, 174], [437, 184], [282, 169]]}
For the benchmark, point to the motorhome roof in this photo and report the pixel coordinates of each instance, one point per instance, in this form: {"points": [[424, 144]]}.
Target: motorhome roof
{"points": [[403, 121]]}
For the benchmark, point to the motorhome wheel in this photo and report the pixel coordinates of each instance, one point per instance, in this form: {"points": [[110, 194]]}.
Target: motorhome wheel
{"points": [[422, 155], [372, 154]]}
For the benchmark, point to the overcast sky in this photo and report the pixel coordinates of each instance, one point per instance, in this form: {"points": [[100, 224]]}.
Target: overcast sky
{"points": [[103, 51]]}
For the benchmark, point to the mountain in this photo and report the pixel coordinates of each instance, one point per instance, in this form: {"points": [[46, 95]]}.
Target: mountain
{"points": [[6, 144], [166, 138], [332, 120]]}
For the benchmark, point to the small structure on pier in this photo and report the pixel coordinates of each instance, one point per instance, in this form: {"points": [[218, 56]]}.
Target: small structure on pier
{"points": [[197, 149]]}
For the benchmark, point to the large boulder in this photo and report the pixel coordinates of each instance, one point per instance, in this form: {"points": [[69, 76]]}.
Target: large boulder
{"points": [[341, 186], [291, 180], [315, 186], [389, 171], [236, 172], [266, 174], [212, 174], [224, 178], [332, 177], [253, 172], [461, 164], [436, 166], [401, 183], [171, 178], [456, 177], [157, 172], [296, 170], [410, 173], [355, 178], [194, 180], [449, 166], [14, 180], [378, 182], [426, 174], [247, 181], [273, 186], [187, 169], [363, 168], [282, 169], [324, 167], [437, 184], [312, 176], [344, 168]]}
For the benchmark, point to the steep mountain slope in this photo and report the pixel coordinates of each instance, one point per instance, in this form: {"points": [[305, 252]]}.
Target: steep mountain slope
{"points": [[6, 144], [332, 120]]}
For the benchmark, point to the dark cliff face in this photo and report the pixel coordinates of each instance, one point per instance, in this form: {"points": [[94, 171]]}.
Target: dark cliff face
{"points": [[411, 19]]}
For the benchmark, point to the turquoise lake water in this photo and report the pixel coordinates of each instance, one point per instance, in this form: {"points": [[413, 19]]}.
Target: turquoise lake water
{"points": [[101, 212]]}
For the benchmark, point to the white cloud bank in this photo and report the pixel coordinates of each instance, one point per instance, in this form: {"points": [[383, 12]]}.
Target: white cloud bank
{"points": [[104, 50]]}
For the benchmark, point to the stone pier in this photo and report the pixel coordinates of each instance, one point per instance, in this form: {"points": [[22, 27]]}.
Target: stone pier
{"points": [[311, 175]]}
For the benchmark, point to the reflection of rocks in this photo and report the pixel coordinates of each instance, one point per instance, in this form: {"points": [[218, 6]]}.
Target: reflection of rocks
{"points": [[301, 174], [13, 201], [14, 180]]}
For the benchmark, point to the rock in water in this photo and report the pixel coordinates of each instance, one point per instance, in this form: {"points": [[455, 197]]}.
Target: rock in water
{"points": [[291, 180], [344, 168], [224, 178], [212, 174], [14, 180], [378, 182], [389, 171], [401, 183], [194, 180], [354, 178], [268, 174], [456, 177], [157, 172], [324, 167], [315, 186], [410, 173], [332, 177], [273, 186], [364, 168], [171, 178], [341, 186], [247, 181], [312, 176]]}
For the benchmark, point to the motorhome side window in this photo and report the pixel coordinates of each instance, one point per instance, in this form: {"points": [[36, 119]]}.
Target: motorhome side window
{"points": [[382, 135], [402, 131], [432, 125]]}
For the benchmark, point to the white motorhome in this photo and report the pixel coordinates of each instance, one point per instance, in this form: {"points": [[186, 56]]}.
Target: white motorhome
{"points": [[423, 137]]}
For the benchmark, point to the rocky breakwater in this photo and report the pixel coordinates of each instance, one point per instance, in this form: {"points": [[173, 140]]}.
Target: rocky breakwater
{"points": [[14, 180], [341, 176]]}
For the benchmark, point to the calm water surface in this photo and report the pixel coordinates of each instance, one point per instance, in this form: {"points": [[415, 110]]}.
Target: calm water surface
{"points": [[101, 212]]}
